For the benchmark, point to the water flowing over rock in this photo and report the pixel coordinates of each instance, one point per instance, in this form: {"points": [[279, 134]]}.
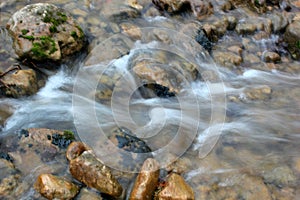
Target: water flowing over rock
{"points": [[146, 181], [176, 188], [43, 31], [20, 83], [53, 187], [91, 171]]}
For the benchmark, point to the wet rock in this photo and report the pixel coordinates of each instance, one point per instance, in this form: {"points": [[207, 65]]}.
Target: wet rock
{"points": [[227, 59], [292, 38], [271, 57], [124, 139], [75, 149], [146, 181], [20, 83], [5, 112], [259, 93], [245, 28], [42, 145], [203, 40], [87, 194], [43, 31], [119, 46], [163, 73], [279, 22], [9, 178], [200, 9], [134, 32], [135, 4], [176, 188], [117, 11], [91, 171], [280, 176], [53, 187]]}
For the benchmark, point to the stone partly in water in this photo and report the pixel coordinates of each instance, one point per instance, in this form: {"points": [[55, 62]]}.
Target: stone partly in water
{"points": [[53, 187], [130, 152], [20, 83], [75, 149], [9, 178], [43, 31], [200, 9], [146, 181], [88, 169], [292, 38], [176, 188]]}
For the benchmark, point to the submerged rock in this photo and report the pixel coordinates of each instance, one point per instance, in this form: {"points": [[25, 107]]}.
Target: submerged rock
{"points": [[125, 141], [20, 83], [146, 181], [176, 188], [88, 169], [43, 31], [199, 8], [53, 187], [9, 178]]}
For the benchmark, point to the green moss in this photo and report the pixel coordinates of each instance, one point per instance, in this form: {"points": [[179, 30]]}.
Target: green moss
{"points": [[53, 29], [28, 37], [24, 31], [81, 32], [298, 44], [69, 135], [74, 35], [55, 18], [45, 46]]}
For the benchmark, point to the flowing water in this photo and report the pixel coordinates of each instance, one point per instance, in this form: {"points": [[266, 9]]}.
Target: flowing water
{"points": [[221, 130]]}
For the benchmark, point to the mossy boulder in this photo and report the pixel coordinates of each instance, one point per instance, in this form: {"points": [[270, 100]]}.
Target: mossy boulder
{"points": [[43, 31]]}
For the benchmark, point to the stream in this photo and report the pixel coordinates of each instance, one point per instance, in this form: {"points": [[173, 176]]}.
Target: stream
{"points": [[230, 133]]}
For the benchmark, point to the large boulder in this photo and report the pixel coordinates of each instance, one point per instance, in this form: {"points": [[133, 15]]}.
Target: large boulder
{"points": [[292, 38], [43, 31]]}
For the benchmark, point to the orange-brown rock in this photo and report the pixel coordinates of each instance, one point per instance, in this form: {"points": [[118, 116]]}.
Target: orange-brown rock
{"points": [[146, 181], [176, 189], [53, 187], [88, 169], [75, 149]]}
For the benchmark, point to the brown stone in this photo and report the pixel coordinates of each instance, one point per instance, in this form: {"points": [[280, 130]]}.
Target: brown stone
{"points": [[75, 149], [53, 187], [271, 57], [146, 181], [20, 83], [227, 59], [176, 189], [91, 171]]}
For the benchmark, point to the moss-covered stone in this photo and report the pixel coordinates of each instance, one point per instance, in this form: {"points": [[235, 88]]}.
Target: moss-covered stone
{"points": [[45, 46]]}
